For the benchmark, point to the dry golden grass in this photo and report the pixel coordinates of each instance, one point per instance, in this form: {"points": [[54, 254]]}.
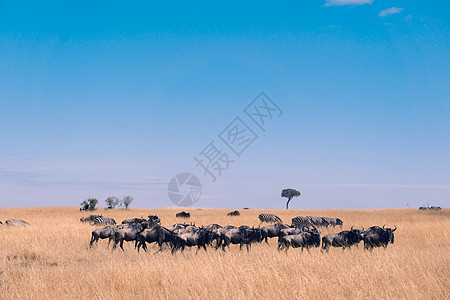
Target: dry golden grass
{"points": [[52, 260]]}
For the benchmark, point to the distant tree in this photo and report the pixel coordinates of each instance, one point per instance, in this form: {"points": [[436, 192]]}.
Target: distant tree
{"points": [[289, 194], [92, 203], [112, 202], [126, 201]]}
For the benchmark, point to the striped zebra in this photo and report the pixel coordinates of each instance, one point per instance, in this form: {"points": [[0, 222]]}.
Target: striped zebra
{"points": [[16, 223], [300, 222], [99, 220], [269, 218]]}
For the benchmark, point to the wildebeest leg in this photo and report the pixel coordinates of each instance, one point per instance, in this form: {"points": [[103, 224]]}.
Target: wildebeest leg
{"points": [[121, 245], [248, 247]]}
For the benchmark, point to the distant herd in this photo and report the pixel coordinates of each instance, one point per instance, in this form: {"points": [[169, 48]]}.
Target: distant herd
{"points": [[302, 233]]}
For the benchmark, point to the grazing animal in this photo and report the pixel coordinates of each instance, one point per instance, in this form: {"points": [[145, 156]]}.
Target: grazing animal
{"points": [[103, 233], [343, 239], [333, 222], [301, 240], [199, 238], [243, 235], [423, 208], [1, 224], [154, 219], [317, 221], [85, 207], [272, 231], [134, 220], [300, 221], [156, 234], [128, 233], [104, 221], [378, 237], [16, 223], [90, 218], [269, 218], [234, 213], [183, 214], [435, 208]]}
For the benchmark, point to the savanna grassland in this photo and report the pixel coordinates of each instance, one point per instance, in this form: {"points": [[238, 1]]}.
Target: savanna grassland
{"points": [[51, 259]]}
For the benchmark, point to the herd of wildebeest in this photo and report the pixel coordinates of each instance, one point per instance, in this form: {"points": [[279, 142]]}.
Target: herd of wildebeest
{"points": [[304, 232]]}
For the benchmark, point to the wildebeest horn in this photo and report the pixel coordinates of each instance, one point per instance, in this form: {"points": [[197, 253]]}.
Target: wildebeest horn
{"points": [[384, 225], [351, 228], [395, 228], [362, 227]]}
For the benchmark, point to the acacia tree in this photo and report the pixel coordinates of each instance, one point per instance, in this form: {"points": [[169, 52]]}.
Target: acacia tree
{"points": [[92, 203], [112, 202], [289, 194], [126, 201]]}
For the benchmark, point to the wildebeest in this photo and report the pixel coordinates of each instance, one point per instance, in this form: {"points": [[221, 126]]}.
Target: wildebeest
{"points": [[157, 234], [128, 233], [1, 224], [435, 208], [90, 218], [344, 239], [183, 214], [16, 223], [378, 237], [154, 219], [302, 239], [103, 233], [134, 220], [200, 238], [423, 208], [243, 235], [234, 213], [272, 231]]}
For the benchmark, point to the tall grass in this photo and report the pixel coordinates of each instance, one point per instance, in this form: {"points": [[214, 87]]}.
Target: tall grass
{"points": [[51, 259]]}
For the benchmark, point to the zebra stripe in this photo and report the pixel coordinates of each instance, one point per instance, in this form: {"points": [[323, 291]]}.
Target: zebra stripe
{"points": [[99, 220], [269, 218], [17, 223], [300, 222]]}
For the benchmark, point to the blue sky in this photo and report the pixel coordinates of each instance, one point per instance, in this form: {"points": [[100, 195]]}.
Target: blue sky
{"points": [[111, 99]]}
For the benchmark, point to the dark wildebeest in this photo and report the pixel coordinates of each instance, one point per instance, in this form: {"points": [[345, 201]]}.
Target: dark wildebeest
{"points": [[90, 218], [1, 224], [128, 233], [134, 220], [378, 237], [154, 219], [344, 239], [200, 238], [103, 233], [272, 231], [85, 207], [157, 234], [243, 235], [234, 213], [183, 214], [423, 208], [303, 240]]}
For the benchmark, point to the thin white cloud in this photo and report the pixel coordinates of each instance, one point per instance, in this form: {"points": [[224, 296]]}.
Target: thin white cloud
{"points": [[347, 2], [390, 11]]}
